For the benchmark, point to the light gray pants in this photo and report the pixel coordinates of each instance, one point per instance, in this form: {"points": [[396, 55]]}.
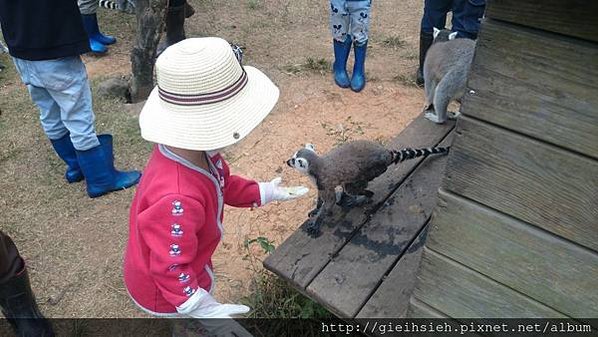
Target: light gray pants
{"points": [[61, 90], [350, 17], [87, 7]]}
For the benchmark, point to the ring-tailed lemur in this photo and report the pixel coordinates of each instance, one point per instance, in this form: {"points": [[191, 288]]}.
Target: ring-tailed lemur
{"points": [[127, 6], [446, 68], [352, 166]]}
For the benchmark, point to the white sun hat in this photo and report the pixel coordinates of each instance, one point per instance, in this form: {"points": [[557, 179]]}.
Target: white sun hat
{"points": [[205, 99]]}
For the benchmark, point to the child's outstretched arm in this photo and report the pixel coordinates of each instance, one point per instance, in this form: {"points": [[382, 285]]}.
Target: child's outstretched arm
{"points": [[242, 192]]}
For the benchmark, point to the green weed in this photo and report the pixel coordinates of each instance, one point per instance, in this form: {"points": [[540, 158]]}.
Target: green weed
{"points": [[272, 297]]}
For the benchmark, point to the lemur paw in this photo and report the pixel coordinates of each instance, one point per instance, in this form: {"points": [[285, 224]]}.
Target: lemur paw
{"points": [[313, 228], [432, 116]]}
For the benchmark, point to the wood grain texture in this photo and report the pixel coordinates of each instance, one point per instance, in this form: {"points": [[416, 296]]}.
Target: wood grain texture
{"points": [[360, 265], [300, 258], [391, 299], [536, 83], [460, 292], [546, 186], [578, 18], [547, 268], [419, 309]]}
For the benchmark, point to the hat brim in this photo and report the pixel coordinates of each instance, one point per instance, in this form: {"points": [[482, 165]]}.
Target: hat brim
{"points": [[210, 126]]}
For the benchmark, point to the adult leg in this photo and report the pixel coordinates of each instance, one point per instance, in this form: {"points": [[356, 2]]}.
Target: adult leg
{"points": [[434, 17], [467, 15], [341, 41], [359, 13], [175, 24], [66, 81], [16, 297], [50, 117], [50, 120]]}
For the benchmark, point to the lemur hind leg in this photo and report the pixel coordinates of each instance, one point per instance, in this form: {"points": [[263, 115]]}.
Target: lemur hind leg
{"points": [[314, 211], [325, 210], [355, 194]]}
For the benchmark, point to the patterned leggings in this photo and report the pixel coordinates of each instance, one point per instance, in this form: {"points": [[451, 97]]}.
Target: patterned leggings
{"points": [[350, 17], [87, 7]]}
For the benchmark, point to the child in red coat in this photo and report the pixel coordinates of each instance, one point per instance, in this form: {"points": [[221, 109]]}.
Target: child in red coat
{"points": [[205, 100]]}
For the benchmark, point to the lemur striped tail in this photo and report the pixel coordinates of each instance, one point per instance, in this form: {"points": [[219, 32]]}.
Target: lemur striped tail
{"points": [[108, 4], [408, 153]]}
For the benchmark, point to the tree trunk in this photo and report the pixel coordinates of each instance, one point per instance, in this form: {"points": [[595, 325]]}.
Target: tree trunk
{"points": [[150, 24]]}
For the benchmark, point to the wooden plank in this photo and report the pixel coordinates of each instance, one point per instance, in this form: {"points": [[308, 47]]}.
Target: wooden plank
{"points": [[300, 258], [545, 267], [460, 292], [540, 84], [419, 309], [360, 265], [578, 18], [546, 186], [391, 299]]}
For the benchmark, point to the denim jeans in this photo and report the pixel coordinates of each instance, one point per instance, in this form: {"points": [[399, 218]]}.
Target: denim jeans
{"points": [[466, 16], [350, 17], [60, 89]]}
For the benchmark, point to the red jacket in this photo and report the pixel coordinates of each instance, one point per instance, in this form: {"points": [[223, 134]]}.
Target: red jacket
{"points": [[175, 225]]}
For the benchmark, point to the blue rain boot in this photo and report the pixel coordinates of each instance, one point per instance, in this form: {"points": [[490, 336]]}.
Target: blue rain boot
{"points": [[97, 165], [66, 151], [358, 79], [96, 47], [341, 53], [90, 22]]}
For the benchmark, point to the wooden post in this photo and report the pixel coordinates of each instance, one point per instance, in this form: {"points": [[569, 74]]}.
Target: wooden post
{"points": [[150, 24]]}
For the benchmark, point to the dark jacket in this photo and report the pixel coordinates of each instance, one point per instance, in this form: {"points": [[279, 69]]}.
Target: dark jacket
{"points": [[43, 29]]}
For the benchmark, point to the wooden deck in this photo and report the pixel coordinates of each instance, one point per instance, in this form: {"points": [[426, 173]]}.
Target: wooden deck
{"points": [[364, 264], [515, 230]]}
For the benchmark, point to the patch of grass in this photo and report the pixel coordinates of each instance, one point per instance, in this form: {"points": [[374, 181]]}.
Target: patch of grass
{"points": [[272, 297], [394, 42], [318, 66], [343, 132], [253, 4]]}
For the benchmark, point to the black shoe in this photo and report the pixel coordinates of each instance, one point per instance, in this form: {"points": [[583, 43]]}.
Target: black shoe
{"points": [[425, 41], [19, 306]]}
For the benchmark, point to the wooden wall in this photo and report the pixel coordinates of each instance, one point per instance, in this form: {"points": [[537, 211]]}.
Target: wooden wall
{"points": [[515, 231]]}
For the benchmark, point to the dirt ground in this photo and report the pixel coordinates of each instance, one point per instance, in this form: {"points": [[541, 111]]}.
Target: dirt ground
{"points": [[74, 245]]}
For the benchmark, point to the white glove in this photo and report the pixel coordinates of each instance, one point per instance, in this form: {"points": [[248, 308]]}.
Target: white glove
{"points": [[270, 191], [212, 327], [203, 305]]}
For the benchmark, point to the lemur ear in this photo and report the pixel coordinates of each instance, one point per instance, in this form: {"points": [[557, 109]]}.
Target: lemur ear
{"points": [[436, 31], [452, 36], [310, 146]]}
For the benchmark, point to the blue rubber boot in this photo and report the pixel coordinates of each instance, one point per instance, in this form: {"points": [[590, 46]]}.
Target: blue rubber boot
{"points": [[97, 165], [66, 151], [341, 53], [358, 79], [90, 22], [96, 47]]}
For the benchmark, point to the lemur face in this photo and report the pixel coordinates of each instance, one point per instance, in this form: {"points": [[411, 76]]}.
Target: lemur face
{"points": [[442, 35], [299, 161]]}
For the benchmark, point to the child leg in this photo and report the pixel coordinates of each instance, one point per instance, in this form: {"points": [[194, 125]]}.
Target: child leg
{"points": [[359, 12], [339, 27]]}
